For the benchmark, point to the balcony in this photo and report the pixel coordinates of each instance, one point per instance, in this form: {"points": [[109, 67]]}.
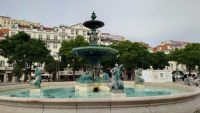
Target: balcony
{"points": [[51, 40], [6, 68]]}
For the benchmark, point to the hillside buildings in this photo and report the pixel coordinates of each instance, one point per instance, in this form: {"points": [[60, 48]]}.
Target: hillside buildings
{"points": [[7, 22], [167, 47]]}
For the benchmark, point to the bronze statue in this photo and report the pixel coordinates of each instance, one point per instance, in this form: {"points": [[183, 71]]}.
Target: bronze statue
{"points": [[117, 83], [38, 79]]}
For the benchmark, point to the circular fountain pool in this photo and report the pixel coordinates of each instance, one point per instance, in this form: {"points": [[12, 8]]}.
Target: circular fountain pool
{"points": [[62, 98], [69, 92]]}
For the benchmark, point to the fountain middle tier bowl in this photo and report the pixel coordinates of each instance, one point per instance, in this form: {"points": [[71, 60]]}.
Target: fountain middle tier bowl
{"points": [[94, 51], [61, 97]]}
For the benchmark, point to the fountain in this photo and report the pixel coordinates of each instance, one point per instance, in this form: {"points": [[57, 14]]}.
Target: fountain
{"points": [[93, 93], [90, 80]]}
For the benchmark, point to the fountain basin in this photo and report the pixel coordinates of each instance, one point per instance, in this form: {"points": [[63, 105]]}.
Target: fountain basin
{"points": [[94, 51], [186, 102]]}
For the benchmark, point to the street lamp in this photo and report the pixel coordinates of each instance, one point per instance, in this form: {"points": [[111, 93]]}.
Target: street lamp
{"points": [[57, 68]]}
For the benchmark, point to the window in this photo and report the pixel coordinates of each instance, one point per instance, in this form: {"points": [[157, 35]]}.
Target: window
{"points": [[55, 46], [48, 37], [2, 63], [72, 32], [40, 36], [55, 38], [48, 46], [77, 32], [84, 33], [10, 65]]}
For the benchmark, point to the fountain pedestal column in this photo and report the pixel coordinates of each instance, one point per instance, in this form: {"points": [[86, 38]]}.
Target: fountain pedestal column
{"points": [[35, 92]]}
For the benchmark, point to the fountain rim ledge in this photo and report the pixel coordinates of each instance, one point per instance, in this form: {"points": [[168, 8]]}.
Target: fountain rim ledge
{"points": [[94, 47], [141, 100]]}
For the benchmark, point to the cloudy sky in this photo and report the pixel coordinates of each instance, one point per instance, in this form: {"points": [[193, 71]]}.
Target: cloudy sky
{"points": [[150, 21]]}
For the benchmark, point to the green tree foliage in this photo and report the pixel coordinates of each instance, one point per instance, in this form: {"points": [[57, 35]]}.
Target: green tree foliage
{"points": [[20, 49], [132, 55], [190, 56], [17, 71], [50, 65], [159, 60], [67, 58]]}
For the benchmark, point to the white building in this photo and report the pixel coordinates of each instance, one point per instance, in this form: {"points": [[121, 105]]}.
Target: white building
{"points": [[53, 37], [107, 38]]}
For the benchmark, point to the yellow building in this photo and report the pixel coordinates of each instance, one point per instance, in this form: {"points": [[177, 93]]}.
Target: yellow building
{"points": [[7, 22]]}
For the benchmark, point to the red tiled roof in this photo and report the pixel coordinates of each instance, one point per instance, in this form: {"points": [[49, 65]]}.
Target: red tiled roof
{"points": [[163, 47], [3, 32], [35, 27]]}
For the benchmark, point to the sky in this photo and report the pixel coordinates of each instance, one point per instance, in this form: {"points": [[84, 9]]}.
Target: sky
{"points": [[149, 21]]}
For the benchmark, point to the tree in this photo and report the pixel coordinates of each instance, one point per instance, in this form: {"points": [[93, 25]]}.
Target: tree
{"points": [[132, 55], [21, 50], [17, 71], [50, 65], [159, 60], [190, 56], [67, 58]]}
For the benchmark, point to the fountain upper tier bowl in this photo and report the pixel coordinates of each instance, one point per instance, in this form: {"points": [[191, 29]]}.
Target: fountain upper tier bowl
{"points": [[93, 24]]}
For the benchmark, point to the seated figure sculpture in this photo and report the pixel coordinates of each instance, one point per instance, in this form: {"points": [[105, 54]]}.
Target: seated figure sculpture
{"points": [[86, 77], [116, 82], [38, 79]]}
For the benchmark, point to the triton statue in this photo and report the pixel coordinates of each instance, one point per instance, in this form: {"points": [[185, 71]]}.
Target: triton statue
{"points": [[116, 82], [38, 79]]}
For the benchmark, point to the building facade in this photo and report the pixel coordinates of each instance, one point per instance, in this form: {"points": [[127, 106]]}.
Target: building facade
{"points": [[167, 47], [108, 39], [7, 22], [51, 36]]}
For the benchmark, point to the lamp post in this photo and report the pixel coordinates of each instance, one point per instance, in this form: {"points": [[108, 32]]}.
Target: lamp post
{"points": [[57, 69]]}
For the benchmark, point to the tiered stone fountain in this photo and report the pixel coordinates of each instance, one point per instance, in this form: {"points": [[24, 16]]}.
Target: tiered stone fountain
{"points": [[90, 81]]}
